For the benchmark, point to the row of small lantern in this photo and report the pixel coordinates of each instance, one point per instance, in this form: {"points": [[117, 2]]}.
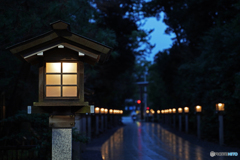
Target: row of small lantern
{"points": [[198, 109], [98, 110]]}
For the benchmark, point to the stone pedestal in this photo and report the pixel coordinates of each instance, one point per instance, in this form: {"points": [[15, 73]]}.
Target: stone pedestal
{"points": [[62, 144]]}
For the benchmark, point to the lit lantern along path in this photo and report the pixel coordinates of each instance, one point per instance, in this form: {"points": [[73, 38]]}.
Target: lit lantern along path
{"points": [[150, 141]]}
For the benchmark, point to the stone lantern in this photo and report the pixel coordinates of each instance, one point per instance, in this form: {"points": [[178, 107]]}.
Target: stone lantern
{"points": [[60, 55]]}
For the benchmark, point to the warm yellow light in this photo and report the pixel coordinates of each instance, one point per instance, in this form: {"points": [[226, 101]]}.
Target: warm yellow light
{"points": [[106, 110], [174, 110], [52, 79], [121, 111], [166, 111], [186, 110], [102, 110], [61, 79], [220, 106], [69, 67], [147, 111], [69, 91], [198, 108], [158, 111], [96, 110], [170, 110], [110, 111], [152, 111], [69, 79], [179, 110], [162, 111], [53, 67], [53, 91]]}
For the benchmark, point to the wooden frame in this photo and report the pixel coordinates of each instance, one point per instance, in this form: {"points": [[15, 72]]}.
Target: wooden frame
{"points": [[61, 73], [80, 83]]}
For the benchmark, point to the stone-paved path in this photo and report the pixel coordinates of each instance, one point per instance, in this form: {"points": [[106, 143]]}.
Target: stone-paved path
{"points": [[152, 141]]}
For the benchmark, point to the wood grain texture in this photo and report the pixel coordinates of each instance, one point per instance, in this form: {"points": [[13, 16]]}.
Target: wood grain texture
{"points": [[60, 103], [60, 121], [40, 84], [81, 81]]}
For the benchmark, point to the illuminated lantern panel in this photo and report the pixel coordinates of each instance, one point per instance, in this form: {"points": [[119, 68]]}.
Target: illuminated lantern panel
{"points": [[158, 111], [61, 79], [170, 110], [110, 111], [174, 110], [102, 111], [53, 67], [186, 110], [69, 67], [53, 91], [198, 108], [96, 110], [106, 110], [179, 110], [220, 107]]}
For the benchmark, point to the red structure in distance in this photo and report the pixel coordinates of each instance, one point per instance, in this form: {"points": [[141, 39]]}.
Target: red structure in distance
{"points": [[138, 101]]}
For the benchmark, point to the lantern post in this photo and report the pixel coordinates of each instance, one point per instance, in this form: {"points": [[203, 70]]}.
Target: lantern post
{"points": [[111, 117], [170, 116], [102, 112], [60, 55], [97, 111], [166, 115], [220, 110], [163, 116], [186, 111], [158, 117], [174, 117], [106, 118], [147, 115], [198, 110], [180, 118]]}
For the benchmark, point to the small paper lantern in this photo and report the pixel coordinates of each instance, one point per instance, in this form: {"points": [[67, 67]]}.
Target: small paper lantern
{"points": [[220, 106], [179, 110], [198, 108], [186, 109]]}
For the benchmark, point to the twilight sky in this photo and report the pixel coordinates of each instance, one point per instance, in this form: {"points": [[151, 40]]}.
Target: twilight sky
{"points": [[158, 37]]}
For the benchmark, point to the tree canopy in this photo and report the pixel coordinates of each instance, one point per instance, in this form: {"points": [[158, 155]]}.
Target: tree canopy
{"points": [[201, 67]]}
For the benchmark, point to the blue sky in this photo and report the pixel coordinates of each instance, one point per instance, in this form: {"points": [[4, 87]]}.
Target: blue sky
{"points": [[158, 37]]}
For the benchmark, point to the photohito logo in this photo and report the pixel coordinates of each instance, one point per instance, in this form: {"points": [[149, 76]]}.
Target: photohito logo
{"points": [[212, 153]]}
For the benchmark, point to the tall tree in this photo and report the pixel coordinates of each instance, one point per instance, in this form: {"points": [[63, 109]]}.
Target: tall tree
{"points": [[114, 78]]}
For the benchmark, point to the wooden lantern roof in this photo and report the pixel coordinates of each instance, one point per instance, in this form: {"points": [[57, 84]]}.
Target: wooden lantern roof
{"points": [[61, 36]]}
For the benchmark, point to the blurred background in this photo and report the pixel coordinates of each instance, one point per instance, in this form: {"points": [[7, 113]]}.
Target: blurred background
{"points": [[197, 65]]}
